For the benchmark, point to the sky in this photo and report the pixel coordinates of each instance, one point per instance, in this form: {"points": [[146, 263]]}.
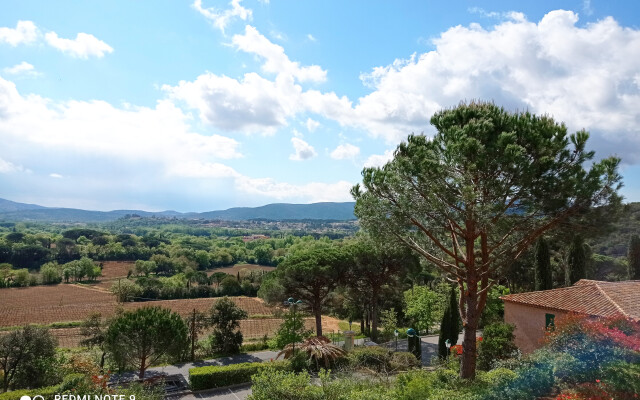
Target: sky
{"points": [[201, 105]]}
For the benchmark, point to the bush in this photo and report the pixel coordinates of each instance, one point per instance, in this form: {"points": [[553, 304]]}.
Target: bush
{"points": [[219, 376], [403, 361], [257, 346], [373, 357], [622, 377], [497, 343], [47, 392]]}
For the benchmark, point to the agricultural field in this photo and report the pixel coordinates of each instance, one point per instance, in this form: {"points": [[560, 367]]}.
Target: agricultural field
{"points": [[73, 302]]}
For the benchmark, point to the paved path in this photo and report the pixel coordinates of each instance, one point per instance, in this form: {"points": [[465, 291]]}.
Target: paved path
{"points": [[183, 369]]}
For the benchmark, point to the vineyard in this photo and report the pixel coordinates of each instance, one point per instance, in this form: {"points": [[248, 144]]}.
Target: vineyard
{"points": [[73, 302]]}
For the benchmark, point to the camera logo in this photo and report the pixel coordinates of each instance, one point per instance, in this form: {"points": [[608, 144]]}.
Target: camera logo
{"points": [[36, 397]]}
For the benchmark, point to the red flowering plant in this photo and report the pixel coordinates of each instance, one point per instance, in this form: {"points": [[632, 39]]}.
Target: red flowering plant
{"points": [[593, 345]]}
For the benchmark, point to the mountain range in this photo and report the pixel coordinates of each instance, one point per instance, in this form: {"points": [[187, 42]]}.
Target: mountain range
{"points": [[13, 211]]}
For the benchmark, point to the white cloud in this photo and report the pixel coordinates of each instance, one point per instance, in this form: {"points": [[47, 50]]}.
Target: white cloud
{"points": [[160, 135], [276, 61], [220, 19], [25, 32], [56, 176], [311, 37], [345, 152], [8, 167], [251, 105], [586, 7], [312, 125], [83, 46], [24, 68], [378, 160], [303, 150], [581, 75]]}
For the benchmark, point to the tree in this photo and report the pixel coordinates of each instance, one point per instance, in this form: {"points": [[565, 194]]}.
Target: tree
{"points": [[544, 280], [312, 273], [633, 256], [225, 317], [125, 290], [577, 260], [450, 325], [50, 273], [26, 352], [94, 331], [197, 322], [376, 265], [292, 328], [474, 198], [141, 337], [424, 307]]}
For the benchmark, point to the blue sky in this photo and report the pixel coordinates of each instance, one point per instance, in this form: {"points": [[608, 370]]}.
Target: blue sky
{"points": [[204, 105]]}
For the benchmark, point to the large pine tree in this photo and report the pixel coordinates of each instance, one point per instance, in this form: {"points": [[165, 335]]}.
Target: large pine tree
{"points": [[543, 265], [450, 325], [633, 255]]}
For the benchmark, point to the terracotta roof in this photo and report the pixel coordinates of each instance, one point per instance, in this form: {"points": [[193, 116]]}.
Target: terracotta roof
{"points": [[590, 297]]}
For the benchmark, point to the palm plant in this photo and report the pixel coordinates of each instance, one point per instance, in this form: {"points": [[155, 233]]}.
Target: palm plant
{"points": [[318, 348]]}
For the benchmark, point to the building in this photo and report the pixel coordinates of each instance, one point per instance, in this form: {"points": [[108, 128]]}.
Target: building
{"points": [[532, 312]]}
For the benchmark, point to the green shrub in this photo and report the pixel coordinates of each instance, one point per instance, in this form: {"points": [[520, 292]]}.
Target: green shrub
{"points": [[403, 361], [46, 392], [497, 343], [218, 376], [371, 357], [623, 377], [531, 382], [498, 376], [257, 346], [269, 384]]}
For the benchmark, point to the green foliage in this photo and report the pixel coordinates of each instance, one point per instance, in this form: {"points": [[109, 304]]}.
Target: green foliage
{"points": [[622, 376], [142, 337], [403, 361], [50, 273], [440, 195], [126, 290], [577, 260], [497, 343], [225, 317], [283, 385], [219, 376], [47, 392], [292, 329], [370, 357], [633, 257], [26, 355], [494, 308], [543, 265], [425, 307], [389, 323], [450, 325]]}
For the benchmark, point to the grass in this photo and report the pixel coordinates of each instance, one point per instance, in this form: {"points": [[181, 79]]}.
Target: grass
{"points": [[54, 325]]}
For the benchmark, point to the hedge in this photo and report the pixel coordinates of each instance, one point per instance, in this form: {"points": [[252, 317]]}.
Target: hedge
{"points": [[202, 378], [46, 392]]}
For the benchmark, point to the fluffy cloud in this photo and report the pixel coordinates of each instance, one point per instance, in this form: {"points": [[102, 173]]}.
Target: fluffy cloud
{"points": [[312, 125], [160, 134], [345, 152], [24, 68], [83, 46], [276, 61], [378, 160], [220, 19], [252, 104], [302, 150], [581, 75], [25, 32]]}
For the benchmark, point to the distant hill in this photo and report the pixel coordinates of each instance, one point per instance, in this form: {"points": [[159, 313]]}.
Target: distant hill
{"points": [[13, 211], [282, 211], [616, 243]]}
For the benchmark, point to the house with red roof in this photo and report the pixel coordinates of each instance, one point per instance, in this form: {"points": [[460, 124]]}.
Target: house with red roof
{"points": [[532, 312]]}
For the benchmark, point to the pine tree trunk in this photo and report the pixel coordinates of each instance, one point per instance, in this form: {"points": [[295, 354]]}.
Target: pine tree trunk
{"points": [[374, 317], [318, 313], [468, 367]]}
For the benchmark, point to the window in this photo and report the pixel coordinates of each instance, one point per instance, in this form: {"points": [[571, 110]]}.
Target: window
{"points": [[549, 321]]}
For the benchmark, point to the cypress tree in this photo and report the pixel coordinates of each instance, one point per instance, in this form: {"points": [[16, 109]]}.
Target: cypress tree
{"points": [[450, 325], [633, 255], [543, 265], [577, 260]]}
